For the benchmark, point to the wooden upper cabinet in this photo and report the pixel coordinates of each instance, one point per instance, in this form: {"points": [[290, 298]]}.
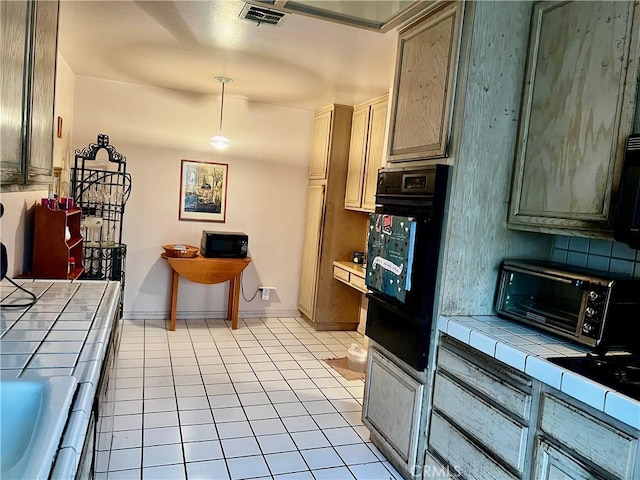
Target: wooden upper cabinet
{"points": [[357, 156], [424, 85], [577, 111], [366, 153], [320, 143]]}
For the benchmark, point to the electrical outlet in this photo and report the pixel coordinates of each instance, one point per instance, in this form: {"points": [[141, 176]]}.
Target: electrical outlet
{"points": [[265, 292]]}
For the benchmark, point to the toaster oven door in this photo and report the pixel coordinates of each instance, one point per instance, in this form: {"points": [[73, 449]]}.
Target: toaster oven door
{"points": [[555, 304]]}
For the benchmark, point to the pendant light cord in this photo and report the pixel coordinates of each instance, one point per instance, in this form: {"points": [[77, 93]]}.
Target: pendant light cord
{"points": [[221, 107]]}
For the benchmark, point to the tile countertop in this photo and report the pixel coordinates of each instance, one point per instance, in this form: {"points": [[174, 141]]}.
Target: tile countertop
{"points": [[526, 350], [65, 333]]}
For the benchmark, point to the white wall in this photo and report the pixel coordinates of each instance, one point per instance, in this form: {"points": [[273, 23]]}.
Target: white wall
{"points": [[268, 160], [63, 147], [16, 226]]}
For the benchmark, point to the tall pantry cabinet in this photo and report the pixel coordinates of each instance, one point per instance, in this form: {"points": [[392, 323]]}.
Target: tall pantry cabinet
{"points": [[331, 232]]}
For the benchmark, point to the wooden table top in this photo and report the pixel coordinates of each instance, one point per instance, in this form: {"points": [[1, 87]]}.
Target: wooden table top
{"points": [[207, 270]]}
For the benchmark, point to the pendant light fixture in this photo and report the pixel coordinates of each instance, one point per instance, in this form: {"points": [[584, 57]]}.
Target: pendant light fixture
{"points": [[220, 141]]}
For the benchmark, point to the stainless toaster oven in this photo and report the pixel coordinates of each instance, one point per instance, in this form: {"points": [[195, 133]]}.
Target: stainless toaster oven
{"points": [[594, 308]]}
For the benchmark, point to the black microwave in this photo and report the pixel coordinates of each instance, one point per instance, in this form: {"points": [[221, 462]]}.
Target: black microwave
{"points": [[595, 308], [224, 244]]}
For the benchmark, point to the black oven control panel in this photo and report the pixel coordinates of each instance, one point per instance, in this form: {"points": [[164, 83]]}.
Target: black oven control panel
{"points": [[420, 182]]}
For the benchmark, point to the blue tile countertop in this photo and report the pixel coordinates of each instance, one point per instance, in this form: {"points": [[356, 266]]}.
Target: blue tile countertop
{"points": [[526, 350], [65, 333]]}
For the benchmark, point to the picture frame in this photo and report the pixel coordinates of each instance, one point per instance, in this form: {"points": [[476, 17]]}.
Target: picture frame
{"points": [[203, 191]]}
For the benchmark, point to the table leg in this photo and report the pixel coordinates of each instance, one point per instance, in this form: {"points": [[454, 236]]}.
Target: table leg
{"points": [[174, 300], [232, 287], [236, 301]]}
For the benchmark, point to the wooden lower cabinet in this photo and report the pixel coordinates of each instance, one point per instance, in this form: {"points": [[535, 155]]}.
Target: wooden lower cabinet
{"points": [[592, 441], [392, 409], [489, 421], [480, 412], [554, 464]]}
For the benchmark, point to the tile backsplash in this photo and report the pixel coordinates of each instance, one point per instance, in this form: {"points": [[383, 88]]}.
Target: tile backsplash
{"points": [[607, 255]]}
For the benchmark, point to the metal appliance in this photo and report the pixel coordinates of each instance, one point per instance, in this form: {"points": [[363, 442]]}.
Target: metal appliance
{"points": [[402, 260], [595, 308], [619, 372]]}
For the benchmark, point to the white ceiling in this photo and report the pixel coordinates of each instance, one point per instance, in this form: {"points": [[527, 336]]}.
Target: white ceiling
{"points": [[305, 63]]}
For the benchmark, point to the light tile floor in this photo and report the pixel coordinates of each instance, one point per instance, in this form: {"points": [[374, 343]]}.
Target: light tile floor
{"points": [[208, 402]]}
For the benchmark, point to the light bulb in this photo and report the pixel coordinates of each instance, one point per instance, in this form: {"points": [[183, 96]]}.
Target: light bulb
{"points": [[219, 142]]}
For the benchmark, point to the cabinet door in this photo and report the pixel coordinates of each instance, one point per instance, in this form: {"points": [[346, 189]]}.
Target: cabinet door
{"points": [[554, 464], [311, 250], [320, 145], [375, 153], [577, 111], [424, 85], [392, 405], [40, 148], [357, 157], [13, 21]]}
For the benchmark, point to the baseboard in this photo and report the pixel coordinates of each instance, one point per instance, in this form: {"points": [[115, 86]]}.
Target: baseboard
{"points": [[155, 315]]}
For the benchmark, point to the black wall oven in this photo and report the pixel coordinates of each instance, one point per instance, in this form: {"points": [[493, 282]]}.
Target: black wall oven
{"points": [[402, 260]]}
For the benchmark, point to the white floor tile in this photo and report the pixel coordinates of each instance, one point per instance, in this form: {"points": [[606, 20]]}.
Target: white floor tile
{"points": [[128, 407], [258, 398], [198, 433], [161, 419], [159, 392], [290, 409], [199, 451], [259, 412], [330, 420], [223, 401], [285, 462], [322, 458], [276, 385], [127, 422], [125, 459], [336, 473], [247, 467], [192, 403], [310, 439], [299, 424], [356, 454], [247, 387], [126, 439], [166, 472], [240, 447], [370, 471], [268, 427], [276, 443], [161, 436], [224, 415], [195, 417], [162, 455], [215, 469], [317, 407], [234, 430], [282, 396], [342, 436], [121, 475], [154, 405]]}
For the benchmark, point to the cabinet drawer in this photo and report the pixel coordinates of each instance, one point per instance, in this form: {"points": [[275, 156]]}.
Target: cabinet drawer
{"points": [[462, 455], [341, 274], [358, 282], [490, 427], [504, 394], [596, 441]]}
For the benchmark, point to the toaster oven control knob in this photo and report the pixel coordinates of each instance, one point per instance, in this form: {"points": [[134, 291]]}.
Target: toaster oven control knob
{"points": [[586, 328], [593, 295], [589, 312]]}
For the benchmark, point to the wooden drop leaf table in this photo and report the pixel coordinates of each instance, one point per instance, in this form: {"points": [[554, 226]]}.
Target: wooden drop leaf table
{"points": [[208, 271]]}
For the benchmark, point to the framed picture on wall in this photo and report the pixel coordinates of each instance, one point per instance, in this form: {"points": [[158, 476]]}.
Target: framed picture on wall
{"points": [[203, 191]]}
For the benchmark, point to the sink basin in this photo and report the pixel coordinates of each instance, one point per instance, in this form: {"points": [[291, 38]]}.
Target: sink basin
{"points": [[33, 414]]}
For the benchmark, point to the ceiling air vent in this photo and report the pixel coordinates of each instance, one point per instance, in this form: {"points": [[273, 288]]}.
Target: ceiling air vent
{"points": [[262, 15]]}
